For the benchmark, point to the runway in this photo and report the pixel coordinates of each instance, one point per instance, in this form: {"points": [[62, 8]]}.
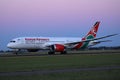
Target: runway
{"points": [[44, 53], [35, 71], [40, 72]]}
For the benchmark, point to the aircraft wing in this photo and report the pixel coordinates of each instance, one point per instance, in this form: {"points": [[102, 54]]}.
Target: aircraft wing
{"points": [[104, 37], [88, 40], [98, 42]]}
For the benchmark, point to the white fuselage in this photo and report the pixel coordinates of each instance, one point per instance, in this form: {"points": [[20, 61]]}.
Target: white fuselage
{"points": [[40, 42]]}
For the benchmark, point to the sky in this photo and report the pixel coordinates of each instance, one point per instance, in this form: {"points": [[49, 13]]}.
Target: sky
{"points": [[61, 18]]}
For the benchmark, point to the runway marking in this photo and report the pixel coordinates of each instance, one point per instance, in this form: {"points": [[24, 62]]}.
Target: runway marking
{"points": [[57, 71]]}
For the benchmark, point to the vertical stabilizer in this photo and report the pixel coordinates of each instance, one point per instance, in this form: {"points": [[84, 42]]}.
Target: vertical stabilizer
{"points": [[92, 33]]}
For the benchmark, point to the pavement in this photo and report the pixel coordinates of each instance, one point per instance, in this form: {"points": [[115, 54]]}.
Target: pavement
{"points": [[24, 73]]}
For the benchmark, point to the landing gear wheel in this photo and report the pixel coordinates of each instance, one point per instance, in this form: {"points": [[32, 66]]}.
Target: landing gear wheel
{"points": [[64, 52], [16, 53], [50, 53]]}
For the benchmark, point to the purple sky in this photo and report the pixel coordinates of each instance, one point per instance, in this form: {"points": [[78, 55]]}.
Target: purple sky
{"points": [[68, 18]]}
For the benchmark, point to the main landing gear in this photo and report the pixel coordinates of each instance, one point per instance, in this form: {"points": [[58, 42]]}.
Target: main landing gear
{"points": [[52, 52]]}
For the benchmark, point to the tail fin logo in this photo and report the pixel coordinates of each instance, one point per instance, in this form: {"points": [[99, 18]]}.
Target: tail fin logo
{"points": [[93, 31], [90, 35]]}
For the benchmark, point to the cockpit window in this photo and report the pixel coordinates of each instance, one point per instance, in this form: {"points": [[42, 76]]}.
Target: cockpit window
{"points": [[12, 41]]}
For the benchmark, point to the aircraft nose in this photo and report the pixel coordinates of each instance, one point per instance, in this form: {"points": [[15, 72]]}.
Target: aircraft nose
{"points": [[9, 45]]}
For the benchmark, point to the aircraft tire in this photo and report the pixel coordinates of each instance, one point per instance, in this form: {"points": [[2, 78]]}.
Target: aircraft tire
{"points": [[50, 53], [64, 52]]}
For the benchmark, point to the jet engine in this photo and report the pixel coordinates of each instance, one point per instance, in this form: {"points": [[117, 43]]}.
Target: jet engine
{"points": [[58, 48]]}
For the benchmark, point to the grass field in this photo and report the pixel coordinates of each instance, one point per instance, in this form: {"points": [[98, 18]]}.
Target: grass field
{"points": [[53, 62]]}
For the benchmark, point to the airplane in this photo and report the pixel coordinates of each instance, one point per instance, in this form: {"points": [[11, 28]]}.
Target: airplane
{"points": [[57, 44]]}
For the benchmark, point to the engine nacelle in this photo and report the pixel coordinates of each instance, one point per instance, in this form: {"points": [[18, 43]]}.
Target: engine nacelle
{"points": [[58, 48]]}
